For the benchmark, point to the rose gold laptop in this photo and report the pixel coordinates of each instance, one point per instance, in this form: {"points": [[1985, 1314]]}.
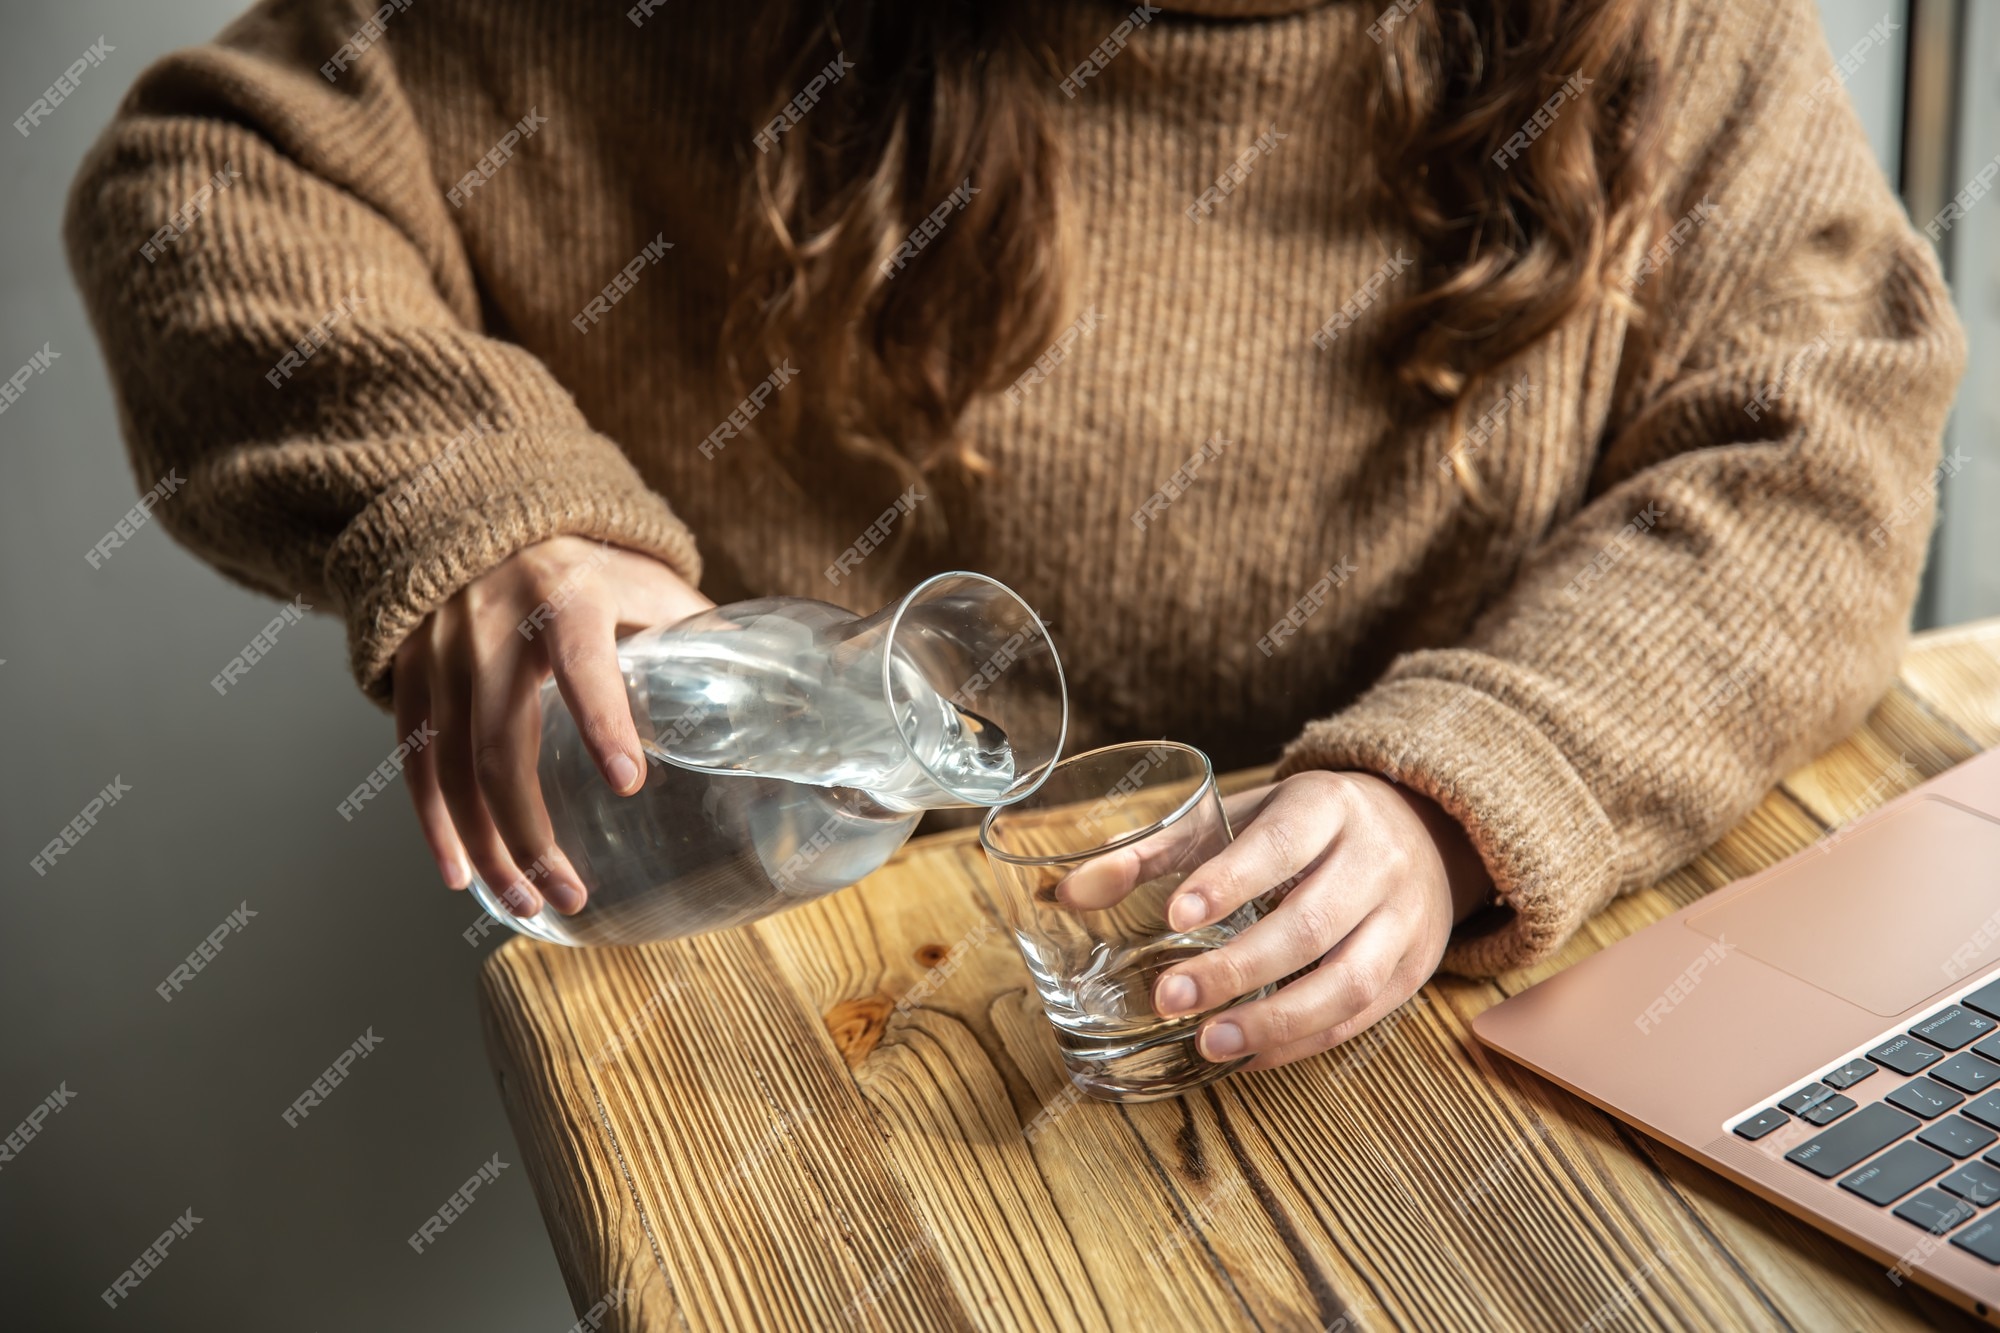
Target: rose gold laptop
{"points": [[1826, 1032]]}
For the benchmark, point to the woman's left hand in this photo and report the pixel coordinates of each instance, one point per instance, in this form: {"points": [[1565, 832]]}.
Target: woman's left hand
{"points": [[1382, 876]]}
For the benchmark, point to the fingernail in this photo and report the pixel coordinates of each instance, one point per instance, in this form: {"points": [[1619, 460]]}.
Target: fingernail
{"points": [[624, 774], [521, 900], [1221, 1041], [1185, 912], [456, 874], [1175, 995], [564, 895]]}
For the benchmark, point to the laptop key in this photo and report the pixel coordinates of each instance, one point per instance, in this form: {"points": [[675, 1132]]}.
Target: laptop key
{"points": [[1828, 1111], [1905, 1055], [1989, 1046], [1858, 1068], [1852, 1140], [1757, 1126], [1925, 1097], [1812, 1094], [1953, 1027], [1975, 1182], [1896, 1172], [1981, 1238], [1986, 1110], [1967, 1072], [1956, 1135], [1935, 1212], [1986, 999]]}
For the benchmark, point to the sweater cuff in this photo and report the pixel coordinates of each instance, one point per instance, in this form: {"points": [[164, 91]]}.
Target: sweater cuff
{"points": [[1547, 844], [450, 519]]}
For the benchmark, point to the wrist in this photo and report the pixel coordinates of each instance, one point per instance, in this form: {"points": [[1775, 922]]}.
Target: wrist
{"points": [[1465, 871]]}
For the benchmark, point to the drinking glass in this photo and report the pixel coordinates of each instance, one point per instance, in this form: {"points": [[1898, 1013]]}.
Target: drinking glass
{"points": [[1085, 866]]}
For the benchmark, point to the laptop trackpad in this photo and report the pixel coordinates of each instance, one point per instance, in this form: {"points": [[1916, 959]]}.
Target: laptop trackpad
{"points": [[1884, 917]]}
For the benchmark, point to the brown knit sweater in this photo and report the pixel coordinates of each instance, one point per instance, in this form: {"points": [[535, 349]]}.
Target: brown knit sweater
{"points": [[1694, 581]]}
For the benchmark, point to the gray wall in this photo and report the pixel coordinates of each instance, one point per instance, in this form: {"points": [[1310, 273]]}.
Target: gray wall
{"points": [[106, 674]]}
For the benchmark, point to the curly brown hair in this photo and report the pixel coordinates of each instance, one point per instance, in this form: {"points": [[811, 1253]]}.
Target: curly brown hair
{"points": [[1510, 246]]}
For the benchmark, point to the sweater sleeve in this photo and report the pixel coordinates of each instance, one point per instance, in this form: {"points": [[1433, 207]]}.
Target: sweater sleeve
{"points": [[294, 333], [1733, 594]]}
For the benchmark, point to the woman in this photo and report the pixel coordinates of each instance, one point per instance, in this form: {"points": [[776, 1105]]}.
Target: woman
{"points": [[1500, 401]]}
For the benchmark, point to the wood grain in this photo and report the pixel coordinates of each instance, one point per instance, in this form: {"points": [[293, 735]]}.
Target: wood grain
{"points": [[854, 1116]]}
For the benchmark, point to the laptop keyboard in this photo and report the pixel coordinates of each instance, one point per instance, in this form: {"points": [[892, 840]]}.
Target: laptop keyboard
{"points": [[1926, 1150]]}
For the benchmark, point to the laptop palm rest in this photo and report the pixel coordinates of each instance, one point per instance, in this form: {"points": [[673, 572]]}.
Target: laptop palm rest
{"points": [[1888, 916]]}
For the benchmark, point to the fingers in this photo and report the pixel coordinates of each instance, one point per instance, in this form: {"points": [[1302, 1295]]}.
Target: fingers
{"points": [[583, 652], [1266, 852], [412, 693], [1317, 917], [506, 737], [1105, 881], [451, 710], [649, 594], [1354, 985]]}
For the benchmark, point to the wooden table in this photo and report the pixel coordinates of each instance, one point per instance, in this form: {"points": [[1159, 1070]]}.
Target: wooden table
{"points": [[811, 1124]]}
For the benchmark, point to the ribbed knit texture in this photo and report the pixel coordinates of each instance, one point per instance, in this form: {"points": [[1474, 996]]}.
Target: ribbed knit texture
{"points": [[1590, 735]]}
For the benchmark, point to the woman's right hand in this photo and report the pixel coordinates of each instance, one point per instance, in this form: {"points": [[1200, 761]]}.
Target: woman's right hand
{"points": [[473, 671]]}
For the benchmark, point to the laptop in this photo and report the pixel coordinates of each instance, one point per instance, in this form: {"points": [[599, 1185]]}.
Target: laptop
{"points": [[1825, 1032]]}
